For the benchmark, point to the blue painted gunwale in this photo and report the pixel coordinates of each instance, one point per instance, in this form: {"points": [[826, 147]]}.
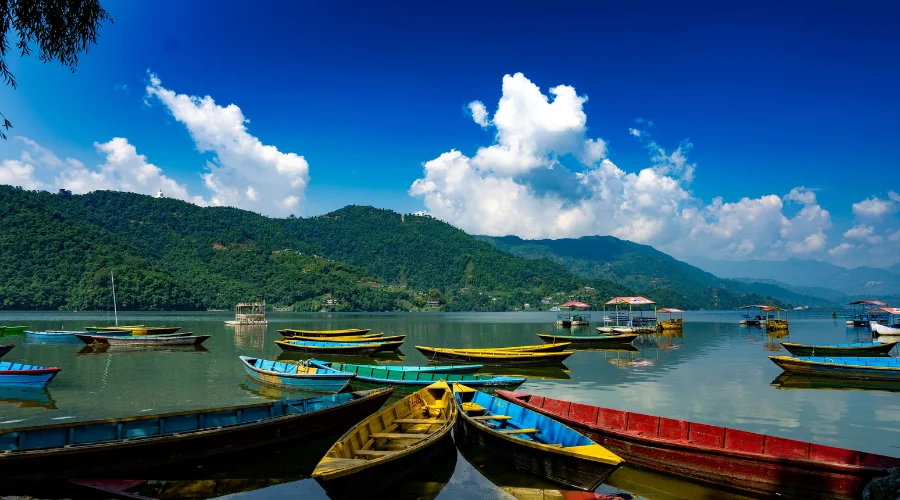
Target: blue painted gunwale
{"points": [[311, 343], [380, 375], [842, 367], [286, 375], [114, 431], [19, 375]]}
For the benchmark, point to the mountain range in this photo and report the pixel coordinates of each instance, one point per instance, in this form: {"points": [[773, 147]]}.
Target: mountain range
{"points": [[59, 249]]}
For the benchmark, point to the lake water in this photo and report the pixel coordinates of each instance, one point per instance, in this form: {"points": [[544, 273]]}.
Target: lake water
{"points": [[717, 372]]}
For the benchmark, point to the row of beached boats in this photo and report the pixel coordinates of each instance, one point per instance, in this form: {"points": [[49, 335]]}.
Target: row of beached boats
{"points": [[573, 444]]}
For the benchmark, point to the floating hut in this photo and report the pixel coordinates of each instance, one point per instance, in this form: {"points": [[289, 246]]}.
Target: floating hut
{"points": [[671, 323], [860, 316], [573, 314], [249, 313], [774, 322], [621, 321], [754, 315]]}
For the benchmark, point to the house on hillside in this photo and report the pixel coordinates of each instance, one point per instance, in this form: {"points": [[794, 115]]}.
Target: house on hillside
{"points": [[546, 300], [433, 303]]}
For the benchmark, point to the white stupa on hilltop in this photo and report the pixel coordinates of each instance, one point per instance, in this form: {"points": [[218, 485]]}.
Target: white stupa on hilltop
{"points": [[159, 194]]}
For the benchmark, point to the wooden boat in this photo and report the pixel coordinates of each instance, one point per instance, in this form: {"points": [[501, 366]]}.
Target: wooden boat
{"points": [[856, 368], [346, 348], [300, 376], [531, 441], [889, 330], [887, 323], [14, 330], [291, 335], [350, 340], [390, 445], [68, 334], [724, 457], [590, 340], [861, 349], [325, 333], [457, 369], [487, 357], [19, 375], [88, 338], [136, 330], [671, 322], [416, 378], [146, 340], [788, 380], [101, 446], [5, 349], [553, 347]]}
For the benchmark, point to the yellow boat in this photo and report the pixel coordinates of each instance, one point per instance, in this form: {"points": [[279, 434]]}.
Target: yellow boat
{"points": [[390, 445], [287, 332], [671, 323], [557, 347], [351, 339], [495, 357]]}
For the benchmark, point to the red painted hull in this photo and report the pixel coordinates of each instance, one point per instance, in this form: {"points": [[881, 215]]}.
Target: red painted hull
{"points": [[724, 457]]}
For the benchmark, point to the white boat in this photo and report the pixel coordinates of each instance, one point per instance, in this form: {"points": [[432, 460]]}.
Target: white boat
{"points": [[605, 329], [892, 327]]}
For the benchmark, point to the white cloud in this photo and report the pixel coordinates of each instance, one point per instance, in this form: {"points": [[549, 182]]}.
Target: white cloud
{"points": [[244, 173], [19, 173], [859, 232], [841, 249], [635, 132], [519, 185], [873, 207], [479, 113]]}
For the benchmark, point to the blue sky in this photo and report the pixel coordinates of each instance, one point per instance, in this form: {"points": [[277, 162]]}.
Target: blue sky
{"points": [[770, 97]]}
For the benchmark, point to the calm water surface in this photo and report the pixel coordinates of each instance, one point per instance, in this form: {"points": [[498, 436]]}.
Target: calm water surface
{"points": [[716, 372]]}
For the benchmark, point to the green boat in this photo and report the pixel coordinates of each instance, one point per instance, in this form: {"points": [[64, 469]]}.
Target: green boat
{"points": [[13, 330], [418, 377]]}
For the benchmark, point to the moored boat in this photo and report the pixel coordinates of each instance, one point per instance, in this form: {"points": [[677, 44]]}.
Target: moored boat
{"points": [[346, 348], [457, 369], [531, 441], [361, 339], [101, 446], [389, 445], [846, 367], [859, 349], [724, 457], [145, 340], [5, 349], [19, 375], [415, 378], [300, 376], [889, 324], [88, 338], [591, 340], [671, 322], [134, 330], [494, 357], [68, 334], [551, 347], [326, 333], [788, 380], [287, 334], [13, 330]]}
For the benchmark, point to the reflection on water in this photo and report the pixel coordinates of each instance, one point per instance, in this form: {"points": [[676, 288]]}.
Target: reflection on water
{"points": [[713, 372], [108, 349], [788, 381], [24, 397]]}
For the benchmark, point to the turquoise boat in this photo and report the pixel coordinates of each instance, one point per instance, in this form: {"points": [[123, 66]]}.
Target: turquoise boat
{"points": [[458, 369], [867, 349], [13, 330], [841, 367], [380, 375], [19, 375], [530, 441], [347, 348], [299, 376]]}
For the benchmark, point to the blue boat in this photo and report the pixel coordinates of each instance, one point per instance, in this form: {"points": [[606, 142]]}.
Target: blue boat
{"points": [[19, 375], [300, 376], [348, 348], [867, 349], [530, 441], [56, 334], [380, 375], [841, 367], [5, 349], [459, 369]]}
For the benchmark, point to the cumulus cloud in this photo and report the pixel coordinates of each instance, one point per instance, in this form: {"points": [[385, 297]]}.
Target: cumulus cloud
{"points": [[874, 207], [543, 177], [873, 234], [244, 173]]}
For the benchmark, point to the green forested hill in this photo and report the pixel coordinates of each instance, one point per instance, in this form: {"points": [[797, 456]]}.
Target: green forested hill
{"points": [[167, 254], [648, 271]]}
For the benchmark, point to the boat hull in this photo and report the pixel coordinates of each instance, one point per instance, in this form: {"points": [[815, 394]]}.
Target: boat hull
{"points": [[363, 349], [879, 329], [877, 349], [352, 340], [15, 330], [135, 454], [378, 376], [590, 340], [326, 333], [803, 367], [146, 340], [316, 382], [754, 462], [516, 359], [5, 349], [18, 375]]}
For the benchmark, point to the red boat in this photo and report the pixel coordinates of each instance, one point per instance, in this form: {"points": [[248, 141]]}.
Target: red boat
{"points": [[724, 457]]}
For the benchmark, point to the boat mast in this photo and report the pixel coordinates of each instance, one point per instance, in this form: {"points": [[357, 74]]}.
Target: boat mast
{"points": [[115, 311]]}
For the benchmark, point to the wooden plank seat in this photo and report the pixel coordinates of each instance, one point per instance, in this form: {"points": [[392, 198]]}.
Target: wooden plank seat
{"points": [[419, 421], [374, 453], [519, 431], [398, 435], [492, 417], [472, 407]]}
